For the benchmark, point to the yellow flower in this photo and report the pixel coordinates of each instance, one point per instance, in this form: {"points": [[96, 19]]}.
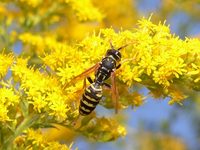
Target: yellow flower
{"points": [[177, 96], [56, 145], [19, 140], [121, 8], [121, 130], [195, 72], [36, 41], [36, 137], [8, 97], [166, 73], [38, 101], [3, 113], [148, 64], [42, 91], [5, 62], [40, 141], [130, 74], [85, 10], [137, 99], [58, 106], [109, 127], [8, 100], [162, 77]]}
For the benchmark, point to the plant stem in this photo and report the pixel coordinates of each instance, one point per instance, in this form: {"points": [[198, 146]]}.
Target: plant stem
{"points": [[25, 124]]}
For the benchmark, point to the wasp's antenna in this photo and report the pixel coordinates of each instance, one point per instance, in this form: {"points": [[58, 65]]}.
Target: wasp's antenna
{"points": [[111, 44], [122, 47], [132, 42]]}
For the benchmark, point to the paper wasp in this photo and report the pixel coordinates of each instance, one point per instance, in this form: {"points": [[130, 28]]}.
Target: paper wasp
{"points": [[103, 70]]}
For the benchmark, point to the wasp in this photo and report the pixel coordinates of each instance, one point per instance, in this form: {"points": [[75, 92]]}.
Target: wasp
{"points": [[103, 70]]}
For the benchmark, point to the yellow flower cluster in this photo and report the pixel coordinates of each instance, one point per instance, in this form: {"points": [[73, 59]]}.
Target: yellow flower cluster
{"points": [[85, 10], [36, 13], [42, 91], [8, 103], [39, 43], [6, 61], [35, 138], [118, 13], [54, 53], [109, 127], [154, 58]]}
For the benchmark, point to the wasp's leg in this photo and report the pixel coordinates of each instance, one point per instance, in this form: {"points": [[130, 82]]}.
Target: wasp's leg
{"points": [[84, 83], [115, 95], [107, 85], [90, 80], [118, 66]]}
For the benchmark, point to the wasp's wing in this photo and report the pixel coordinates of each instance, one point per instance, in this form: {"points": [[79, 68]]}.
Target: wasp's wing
{"points": [[115, 94], [82, 75]]}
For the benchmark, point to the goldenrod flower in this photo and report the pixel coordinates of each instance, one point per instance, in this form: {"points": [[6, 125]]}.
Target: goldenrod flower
{"points": [[4, 114], [35, 138], [137, 99], [42, 91], [177, 97], [153, 56], [8, 97], [195, 72], [8, 101], [58, 106], [108, 126], [5, 62], [85, 10]]}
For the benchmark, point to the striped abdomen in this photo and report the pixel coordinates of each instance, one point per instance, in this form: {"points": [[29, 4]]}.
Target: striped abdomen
{"points": [[90, 98]]}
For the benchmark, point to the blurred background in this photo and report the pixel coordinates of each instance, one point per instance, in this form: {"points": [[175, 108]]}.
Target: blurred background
{"points": [[153, 126]]}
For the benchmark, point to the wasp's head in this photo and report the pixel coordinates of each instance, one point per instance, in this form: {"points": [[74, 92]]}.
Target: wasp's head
{"points": [[114, 53]]}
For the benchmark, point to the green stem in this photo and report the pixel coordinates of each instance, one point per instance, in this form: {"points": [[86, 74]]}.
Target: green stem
{"points": [[25, 124]]}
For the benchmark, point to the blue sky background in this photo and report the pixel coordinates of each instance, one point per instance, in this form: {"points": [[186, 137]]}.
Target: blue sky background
{"points": [[154, 112]]}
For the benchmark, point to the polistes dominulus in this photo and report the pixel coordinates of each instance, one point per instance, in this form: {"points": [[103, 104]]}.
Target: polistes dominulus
{"points": [[103, 70]]}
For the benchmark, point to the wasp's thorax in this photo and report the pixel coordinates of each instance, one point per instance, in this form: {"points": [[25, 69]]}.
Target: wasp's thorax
{"points": [[108, 64]]}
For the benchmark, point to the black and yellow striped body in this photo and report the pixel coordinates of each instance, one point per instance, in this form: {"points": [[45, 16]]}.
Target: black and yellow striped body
{"points": [[90, 98], [93, 93]]}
